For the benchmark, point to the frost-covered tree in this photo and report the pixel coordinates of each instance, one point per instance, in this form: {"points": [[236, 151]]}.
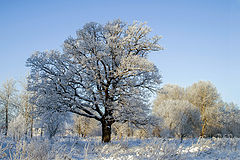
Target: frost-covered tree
{"points": [[217, 117], [122, 130], [103, 74], [230, 119], [26, 108], [169, 92], [52, 123], [141, 133], [17, 127], [204, 95], [8, 103], [180, 118]]}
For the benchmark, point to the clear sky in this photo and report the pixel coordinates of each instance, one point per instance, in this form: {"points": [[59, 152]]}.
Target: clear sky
{"points": [[201, 37]]}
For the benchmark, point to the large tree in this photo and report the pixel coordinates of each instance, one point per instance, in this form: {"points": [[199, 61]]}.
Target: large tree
{"points": [[103, 73]]}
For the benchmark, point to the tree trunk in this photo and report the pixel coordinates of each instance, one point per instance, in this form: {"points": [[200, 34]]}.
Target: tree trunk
{"points": [[203, 127], [6, 122], [31, 127], [204, 121], [106, 131]]}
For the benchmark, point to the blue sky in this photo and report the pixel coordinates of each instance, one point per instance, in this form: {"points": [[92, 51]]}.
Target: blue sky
{"points": [[200, 37]]}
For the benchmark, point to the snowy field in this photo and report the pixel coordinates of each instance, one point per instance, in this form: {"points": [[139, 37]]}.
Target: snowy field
{"points": [[133, 149]]}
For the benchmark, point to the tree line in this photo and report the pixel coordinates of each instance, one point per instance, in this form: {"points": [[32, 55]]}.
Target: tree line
{"points": [[197, 110]]}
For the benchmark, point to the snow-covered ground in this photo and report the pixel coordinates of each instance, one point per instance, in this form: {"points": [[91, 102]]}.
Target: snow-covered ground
{"points": [[75, 148]]}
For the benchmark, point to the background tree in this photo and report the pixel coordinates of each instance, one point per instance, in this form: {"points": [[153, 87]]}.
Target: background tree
{"points": [[169, 92], [122, 130], [17, 127], [204, 95], [180, 118], [9, 102], [52, 122], [230, 119], [103, 74], [26, 108], [84, 126]]}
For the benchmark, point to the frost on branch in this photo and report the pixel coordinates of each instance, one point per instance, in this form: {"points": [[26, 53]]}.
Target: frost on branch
{"points": [[132, 64]]}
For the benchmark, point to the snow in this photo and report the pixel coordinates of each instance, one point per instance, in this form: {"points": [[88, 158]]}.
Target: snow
{"points": [[131, 148]]}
